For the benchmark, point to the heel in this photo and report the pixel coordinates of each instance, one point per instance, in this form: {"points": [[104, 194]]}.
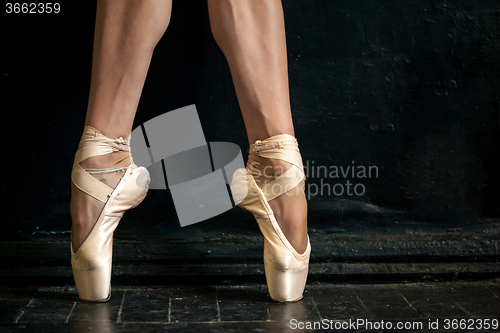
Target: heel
{"points": [[285, 286], [286, 271], [92, 262], [92, 280]]}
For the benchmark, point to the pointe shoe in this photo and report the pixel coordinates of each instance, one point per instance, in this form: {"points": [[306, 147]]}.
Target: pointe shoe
{"points": [[286, 269], [92, 261]]}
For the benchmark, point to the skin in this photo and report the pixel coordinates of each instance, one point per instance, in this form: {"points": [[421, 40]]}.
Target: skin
{"points": [[250, 33]]}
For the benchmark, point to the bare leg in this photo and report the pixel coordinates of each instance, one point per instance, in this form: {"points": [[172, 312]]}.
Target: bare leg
{"points": [[251, 33], [126, 34]]}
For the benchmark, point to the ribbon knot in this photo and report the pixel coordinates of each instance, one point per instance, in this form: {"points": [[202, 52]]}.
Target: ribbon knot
{"points": [[120, 141]]}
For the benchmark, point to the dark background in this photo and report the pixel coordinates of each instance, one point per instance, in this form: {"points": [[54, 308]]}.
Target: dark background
{"points": [[408, 86]]}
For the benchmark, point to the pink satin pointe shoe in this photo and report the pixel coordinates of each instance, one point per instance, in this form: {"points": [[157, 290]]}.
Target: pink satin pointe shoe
{"points": [[286, 269], [92, 261]]}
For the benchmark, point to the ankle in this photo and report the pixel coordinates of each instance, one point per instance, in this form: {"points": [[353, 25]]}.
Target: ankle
{"points": [[110, 130]]}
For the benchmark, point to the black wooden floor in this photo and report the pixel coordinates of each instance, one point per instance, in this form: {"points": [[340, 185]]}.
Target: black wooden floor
{"points": [[209, 277], [464, 306]]}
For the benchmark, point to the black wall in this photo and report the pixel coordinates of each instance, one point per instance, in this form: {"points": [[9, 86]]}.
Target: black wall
{"points": [[409, 87]]}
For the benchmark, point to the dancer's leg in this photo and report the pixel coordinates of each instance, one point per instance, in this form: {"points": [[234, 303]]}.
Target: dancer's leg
{"points": [[251, 33], [126, 34]]}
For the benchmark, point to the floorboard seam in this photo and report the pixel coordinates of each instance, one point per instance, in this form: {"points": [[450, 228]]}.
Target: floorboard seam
{"points": [[119, 319], [169, 306], [22, 311], [217, 305], [69, 315]]}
